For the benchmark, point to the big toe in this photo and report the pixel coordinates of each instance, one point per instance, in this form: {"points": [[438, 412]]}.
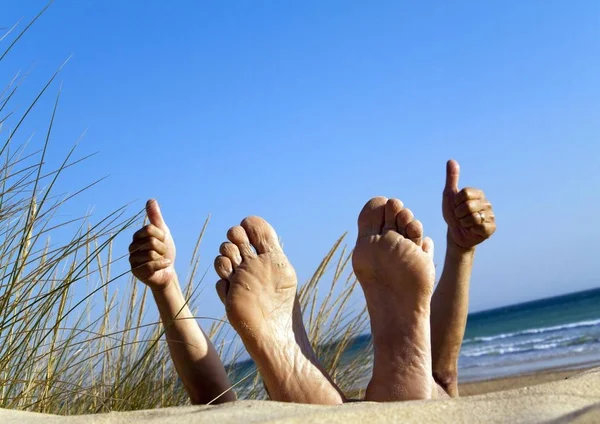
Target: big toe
{"points": [[262, 236], [371, 217]]}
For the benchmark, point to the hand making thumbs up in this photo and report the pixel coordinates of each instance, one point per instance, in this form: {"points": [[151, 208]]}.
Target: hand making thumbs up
{"points": [[467, 212], [152, 251]]}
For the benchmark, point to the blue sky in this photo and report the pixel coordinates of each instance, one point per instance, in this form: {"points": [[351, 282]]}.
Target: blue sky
{"points": [[301, 111]]}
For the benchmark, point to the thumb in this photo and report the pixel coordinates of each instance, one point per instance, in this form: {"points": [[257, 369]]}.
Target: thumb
{"points": [[154, 214], [452, 174]]}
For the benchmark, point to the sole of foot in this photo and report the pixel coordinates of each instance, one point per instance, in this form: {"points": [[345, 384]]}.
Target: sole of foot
{"points": [[258, 288], [394, 265]]}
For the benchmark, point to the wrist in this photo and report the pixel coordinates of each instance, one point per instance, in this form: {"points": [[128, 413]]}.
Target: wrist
{"points": [[456, 251], [166, 289]]}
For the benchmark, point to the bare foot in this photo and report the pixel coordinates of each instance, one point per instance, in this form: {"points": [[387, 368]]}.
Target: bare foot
{"points": [[258, 288], [394, 266]]}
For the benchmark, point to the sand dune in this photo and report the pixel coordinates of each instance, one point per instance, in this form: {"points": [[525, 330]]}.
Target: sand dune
{"points": [[574, 400]]}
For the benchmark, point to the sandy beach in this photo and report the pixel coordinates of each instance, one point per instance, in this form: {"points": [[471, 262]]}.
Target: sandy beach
{"points": [[515, 382], [547, 397]]}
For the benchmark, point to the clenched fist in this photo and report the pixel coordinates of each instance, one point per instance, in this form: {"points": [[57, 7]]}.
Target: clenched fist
{"points": [[152, 251], [467, 212]]}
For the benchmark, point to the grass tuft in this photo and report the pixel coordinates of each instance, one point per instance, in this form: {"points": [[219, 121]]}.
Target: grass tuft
{"points": [[75, 333]]}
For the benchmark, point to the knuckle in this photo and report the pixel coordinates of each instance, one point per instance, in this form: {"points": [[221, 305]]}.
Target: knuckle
{"points": [[475, 193], [148, 267], [153, 243], [141, 233], [143, 272], [154, 256]]}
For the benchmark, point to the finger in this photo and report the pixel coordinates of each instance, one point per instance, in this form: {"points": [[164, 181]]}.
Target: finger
{"points": [[414, 231], [485, 230], [223, 267], [222, 288], [473, 219], [452, 175], [151, 243], [149, 268], [154, 214], [149, 231], [140, 258], [428, 246], [469, 207], [468, 193]]}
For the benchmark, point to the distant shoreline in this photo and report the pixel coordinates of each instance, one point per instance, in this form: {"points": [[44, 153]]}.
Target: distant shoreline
{"points": [[522, 380]]}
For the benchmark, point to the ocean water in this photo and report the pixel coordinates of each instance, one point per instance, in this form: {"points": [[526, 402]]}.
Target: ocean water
{"points": [[558, 332], [562, 331]]}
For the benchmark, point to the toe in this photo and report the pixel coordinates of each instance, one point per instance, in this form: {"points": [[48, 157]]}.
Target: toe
{"points": [[223, 267], [404, 217], [237, 235], [414, 231], [392, 208], [222, 287], [428, 246], [370, 219], [232, 252], [262, 236]]}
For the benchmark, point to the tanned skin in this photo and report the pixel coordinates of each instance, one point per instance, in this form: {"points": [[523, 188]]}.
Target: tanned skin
{"points": [[152, 259], [471, 221]]}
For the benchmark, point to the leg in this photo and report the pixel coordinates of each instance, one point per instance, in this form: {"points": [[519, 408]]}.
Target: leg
{"points": [[394, 266], [258, 288], [152, 258]]}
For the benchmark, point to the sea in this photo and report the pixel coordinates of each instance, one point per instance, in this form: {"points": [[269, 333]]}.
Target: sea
{"points": [[558, 332], [561, 332]]}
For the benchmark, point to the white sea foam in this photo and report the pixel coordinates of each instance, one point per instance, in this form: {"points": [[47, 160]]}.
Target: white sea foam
{"points": [[588, 323], [546, 338], [538, 343], [510, 349]]}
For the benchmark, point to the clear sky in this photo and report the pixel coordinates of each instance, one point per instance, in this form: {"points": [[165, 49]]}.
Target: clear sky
{"points": [[301, 111]]}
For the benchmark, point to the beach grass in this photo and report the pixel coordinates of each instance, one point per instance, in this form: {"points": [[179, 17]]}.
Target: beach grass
{"points": [[78, 337]]}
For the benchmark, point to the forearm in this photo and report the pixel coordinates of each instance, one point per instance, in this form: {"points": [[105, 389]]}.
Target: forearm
{"points": [[449, 310], [195, 358]]}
